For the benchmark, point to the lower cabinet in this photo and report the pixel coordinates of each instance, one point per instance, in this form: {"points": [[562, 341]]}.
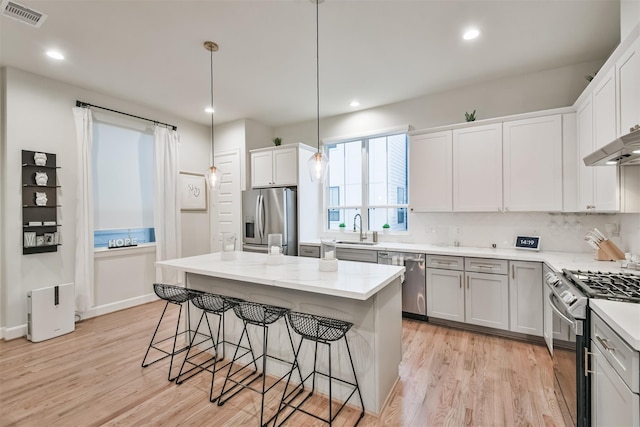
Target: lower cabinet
{"points": [[476, 298], [487, 300], [445, 294], [526, 297]]}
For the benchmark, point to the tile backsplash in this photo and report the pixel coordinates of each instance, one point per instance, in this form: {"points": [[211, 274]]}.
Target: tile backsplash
{"points": [[558, 231]]}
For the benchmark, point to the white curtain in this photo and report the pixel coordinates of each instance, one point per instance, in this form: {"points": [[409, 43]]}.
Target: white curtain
{"points": [[84, 210], [166, 208]]}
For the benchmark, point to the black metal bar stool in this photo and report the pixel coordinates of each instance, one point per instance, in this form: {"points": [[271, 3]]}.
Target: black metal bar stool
{"points": [[323, 330], [172, 294], [217, 305], [260, 315]]}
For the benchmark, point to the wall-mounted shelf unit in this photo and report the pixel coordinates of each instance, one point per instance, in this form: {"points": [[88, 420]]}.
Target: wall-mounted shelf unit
{"points": [[39, 203]]}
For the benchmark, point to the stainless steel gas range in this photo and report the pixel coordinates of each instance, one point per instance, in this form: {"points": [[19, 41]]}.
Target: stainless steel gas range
{"points": [[568, 335]]}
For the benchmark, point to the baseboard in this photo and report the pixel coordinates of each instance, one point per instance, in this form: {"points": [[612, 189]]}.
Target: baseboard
{"points": [[19, 331], [13, 332], [116, 306]]}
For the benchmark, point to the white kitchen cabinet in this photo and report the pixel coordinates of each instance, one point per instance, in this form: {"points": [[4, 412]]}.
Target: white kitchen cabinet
{"points": [[445, 294], [526, 291], [597, 185], [487, 300], [477, 168], [532, 164], [628, 89], [276, 166], [430, 175], [612, 402]]}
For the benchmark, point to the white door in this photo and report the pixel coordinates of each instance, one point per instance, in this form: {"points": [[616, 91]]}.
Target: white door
{"points": [[487, 300], [526, 290], [532, 163], [227, 201], [445, 294], [477, 169], [430, 178]]}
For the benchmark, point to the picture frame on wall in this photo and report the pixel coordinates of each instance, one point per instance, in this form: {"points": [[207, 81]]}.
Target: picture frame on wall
{"points": [[29, 239], [193, 192]]}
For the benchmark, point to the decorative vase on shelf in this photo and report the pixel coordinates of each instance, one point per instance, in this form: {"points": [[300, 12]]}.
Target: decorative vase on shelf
{"points": [[41, 199]]}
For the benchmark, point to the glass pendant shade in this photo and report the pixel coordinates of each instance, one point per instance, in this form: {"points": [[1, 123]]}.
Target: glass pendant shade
{"points": [[318, 165], [213, 177]]}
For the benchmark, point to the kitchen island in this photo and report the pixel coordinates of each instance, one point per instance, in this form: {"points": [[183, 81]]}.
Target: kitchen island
{"points": [[367, 295]]}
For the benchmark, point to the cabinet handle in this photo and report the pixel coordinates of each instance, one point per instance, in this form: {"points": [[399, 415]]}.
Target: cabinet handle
{"points": [[460, 277], [603, 342], [513, 272], [442, 263], [467, 282], [485, 266], [586, 362]]}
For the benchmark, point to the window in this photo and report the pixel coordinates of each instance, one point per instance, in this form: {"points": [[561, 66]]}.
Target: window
{"points": [[368, 176], [122, 184]]}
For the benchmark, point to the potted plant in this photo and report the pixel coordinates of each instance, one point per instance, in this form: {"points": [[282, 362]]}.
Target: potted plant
{"points": [[386, 228], [470, 117], [342, 226], [277, 141]]}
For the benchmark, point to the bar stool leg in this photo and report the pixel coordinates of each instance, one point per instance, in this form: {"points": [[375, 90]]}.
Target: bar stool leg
{"points": [[355, 378], [153, 338]]}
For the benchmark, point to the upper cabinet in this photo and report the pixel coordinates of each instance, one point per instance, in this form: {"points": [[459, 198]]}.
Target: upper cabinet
{"points": [[628, 89], [274, 167], [477, 168], [532, 164], [430, 172], [596, 121]]}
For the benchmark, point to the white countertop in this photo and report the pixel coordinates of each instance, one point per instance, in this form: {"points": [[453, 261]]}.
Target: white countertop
{"points": [[555, 260], [624, 318], [355, 280]]}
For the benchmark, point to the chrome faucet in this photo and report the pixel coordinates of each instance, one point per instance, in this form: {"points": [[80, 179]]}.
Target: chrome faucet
{"points": [[363, 236]]}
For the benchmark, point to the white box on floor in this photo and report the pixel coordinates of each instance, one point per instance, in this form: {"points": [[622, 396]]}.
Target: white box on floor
{"points": [[50, 312]]}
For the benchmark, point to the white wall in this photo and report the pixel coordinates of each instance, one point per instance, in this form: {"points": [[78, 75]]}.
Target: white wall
{"points": [[38, 116]]}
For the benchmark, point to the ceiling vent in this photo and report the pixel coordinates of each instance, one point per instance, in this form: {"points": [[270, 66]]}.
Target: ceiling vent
{"points": [[22, 13]]}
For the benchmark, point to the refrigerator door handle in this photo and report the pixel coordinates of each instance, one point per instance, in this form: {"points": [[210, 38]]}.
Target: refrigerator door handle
{"points": [[259, 216], [263, 220]]}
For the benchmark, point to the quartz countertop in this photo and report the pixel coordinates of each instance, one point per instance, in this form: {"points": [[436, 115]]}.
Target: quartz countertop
{"points": [[623, 317], [355, 280]]}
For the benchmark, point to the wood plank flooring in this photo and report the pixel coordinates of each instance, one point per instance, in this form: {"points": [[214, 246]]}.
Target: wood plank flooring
{"points": [[92, 377]]}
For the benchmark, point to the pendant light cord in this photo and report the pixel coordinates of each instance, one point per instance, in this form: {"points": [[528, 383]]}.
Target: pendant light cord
{"points": [[211, 55], [318, 73]]}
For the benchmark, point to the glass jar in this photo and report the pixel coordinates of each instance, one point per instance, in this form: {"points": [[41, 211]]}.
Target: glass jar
{"points": [[274, 244]]}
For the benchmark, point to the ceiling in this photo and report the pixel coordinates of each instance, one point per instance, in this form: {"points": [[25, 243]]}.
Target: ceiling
{"points": [[378, 52]]}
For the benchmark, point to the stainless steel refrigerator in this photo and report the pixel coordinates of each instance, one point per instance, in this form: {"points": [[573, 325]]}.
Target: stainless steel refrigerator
{"points": [[269, 211]]}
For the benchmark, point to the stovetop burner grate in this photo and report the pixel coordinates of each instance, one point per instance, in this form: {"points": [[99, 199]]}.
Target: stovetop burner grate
{"points": [[612, 286]]}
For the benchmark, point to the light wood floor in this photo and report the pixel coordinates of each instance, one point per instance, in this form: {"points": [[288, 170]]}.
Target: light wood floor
{"points": [[93, 377]]}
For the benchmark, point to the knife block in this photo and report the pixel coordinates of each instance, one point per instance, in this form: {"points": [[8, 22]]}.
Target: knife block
{"points": [[608, 251]]}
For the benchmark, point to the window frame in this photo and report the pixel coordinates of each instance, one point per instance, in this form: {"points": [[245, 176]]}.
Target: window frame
{"points": [[366, 205]]}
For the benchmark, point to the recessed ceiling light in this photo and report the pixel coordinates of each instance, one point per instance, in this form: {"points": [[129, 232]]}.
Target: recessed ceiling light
{"points": [[612, 162], [55, 55], [354, 104], [209, 110], [471, 34], [636, 151]]}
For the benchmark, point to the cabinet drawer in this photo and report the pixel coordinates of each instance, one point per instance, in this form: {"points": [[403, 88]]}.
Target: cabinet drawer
{"points": [[624, 359], [362, 255], [485, 265], [445, 262], [309, 251]]}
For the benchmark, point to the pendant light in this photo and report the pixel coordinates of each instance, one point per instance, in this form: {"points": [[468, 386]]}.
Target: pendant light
{"points": [[318, 163], [213, 174]]}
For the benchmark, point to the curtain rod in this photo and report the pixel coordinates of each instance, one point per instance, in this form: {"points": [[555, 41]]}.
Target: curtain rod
{"points": [[82, 104]]}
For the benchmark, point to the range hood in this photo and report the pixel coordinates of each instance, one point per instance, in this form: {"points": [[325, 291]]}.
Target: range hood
{"points": [[623, 151]]}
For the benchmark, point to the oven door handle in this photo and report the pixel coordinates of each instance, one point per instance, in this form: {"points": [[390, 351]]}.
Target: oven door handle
{"points": [[567, 319]]}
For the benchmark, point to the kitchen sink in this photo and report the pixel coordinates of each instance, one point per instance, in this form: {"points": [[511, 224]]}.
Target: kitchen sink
{"points": [[355, 243]]}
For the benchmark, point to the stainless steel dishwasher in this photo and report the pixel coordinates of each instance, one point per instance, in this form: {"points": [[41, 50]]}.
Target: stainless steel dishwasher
{"points": [[414, 287]]}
